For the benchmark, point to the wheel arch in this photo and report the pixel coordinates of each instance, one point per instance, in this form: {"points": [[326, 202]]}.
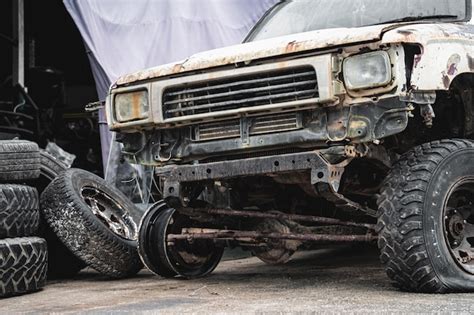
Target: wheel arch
{"points": [[462, 87]]}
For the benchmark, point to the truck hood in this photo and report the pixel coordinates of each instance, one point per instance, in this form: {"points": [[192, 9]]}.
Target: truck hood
{"points": [[273, 47]]}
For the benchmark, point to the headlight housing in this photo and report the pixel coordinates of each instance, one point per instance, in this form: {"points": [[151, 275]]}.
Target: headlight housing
{"points": [[368, 70], [131, 106]]}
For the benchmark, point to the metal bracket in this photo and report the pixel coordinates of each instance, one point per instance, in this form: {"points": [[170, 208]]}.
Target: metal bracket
{"points": [[341, 202], [425, 100], [245, 130], [419, 97], [95, 106]]}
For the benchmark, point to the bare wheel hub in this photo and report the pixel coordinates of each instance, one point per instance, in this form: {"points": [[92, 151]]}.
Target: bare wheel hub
{"points": [[456, 227], [459, 224], [275, 251], [109, 212]]}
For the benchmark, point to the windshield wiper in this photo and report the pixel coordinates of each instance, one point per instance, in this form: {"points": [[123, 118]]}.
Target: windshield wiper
{"points": [[418, 18]]}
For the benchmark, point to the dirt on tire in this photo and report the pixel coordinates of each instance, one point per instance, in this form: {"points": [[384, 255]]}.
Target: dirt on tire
{"points": [[82, 232]]}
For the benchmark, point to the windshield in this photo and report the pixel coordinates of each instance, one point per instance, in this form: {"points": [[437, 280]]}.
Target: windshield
{"points": [[297, 16]]}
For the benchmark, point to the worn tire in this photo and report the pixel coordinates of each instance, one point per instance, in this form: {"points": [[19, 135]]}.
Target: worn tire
{"points": [[411, 237], [19, 161], [19, 211], [62, 264], [23, 264], [50, 168], [74, 223]]}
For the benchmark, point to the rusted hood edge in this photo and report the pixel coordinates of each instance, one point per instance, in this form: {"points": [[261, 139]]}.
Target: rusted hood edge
{"points": [[261, 49]]}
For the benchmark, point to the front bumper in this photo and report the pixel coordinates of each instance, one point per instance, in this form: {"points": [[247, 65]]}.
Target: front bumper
{"points": [[314, 163], [358, 124]]}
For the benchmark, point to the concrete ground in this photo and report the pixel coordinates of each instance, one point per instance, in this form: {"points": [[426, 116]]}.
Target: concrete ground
{"points": [[337, 280]]}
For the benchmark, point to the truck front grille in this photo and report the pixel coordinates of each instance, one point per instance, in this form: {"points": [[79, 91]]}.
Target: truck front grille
{"points": [[257, 89], [256, 125], [275, 123], [219, 130]]}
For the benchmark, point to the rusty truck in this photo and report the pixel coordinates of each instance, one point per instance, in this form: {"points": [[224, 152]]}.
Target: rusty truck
{"points": [[335, 121]]}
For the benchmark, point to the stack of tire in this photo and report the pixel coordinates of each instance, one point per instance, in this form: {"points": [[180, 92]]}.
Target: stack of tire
{"points": [[23, 255], [64, 231]]}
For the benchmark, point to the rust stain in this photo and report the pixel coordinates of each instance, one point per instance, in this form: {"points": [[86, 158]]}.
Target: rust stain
{"points": [[446, 80], [452, 69], [453, 61], [405, 32], [291, 47], [417, 60], [177, 68], [470, 61], [136, 98]]}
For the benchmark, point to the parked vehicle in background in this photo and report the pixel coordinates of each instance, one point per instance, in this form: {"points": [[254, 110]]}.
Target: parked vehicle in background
{"points": [[336, 121]]}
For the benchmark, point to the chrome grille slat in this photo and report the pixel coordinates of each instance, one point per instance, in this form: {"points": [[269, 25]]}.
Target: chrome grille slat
{"points": [[270, 128], [220, 130], [235, 84], [258, 125], [249, 90], [220, 134], [276, 123], [239, 92], [239, 102]]}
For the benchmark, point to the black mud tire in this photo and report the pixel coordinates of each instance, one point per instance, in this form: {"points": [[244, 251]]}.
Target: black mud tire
{"points": [[19, 161], [412, 239], [82, 232], [19, 211], [23, 264]]}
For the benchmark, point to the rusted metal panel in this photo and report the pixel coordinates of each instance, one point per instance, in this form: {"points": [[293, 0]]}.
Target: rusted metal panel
{"points": [[447, 51], [247, 52], [313, 162]]}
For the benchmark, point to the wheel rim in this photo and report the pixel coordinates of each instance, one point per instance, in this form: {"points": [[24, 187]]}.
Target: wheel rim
{"points": [[459, 223], [190, 259], [149, 241], [109, 212], [169, 260]]}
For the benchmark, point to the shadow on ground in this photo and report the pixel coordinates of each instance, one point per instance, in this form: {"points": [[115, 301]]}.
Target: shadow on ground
{"points": [[340, 279]]}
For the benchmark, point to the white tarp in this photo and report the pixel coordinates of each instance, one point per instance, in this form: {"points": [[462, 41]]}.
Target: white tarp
{"points": [[124, 36]]}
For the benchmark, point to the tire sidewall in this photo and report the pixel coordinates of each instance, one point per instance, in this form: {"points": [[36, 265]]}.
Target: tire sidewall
{"points": [[79, 179], [449, 172]]}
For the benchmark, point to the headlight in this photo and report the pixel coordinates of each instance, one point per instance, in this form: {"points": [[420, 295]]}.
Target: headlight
{"points": [[367, 71], [131, 106]]}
